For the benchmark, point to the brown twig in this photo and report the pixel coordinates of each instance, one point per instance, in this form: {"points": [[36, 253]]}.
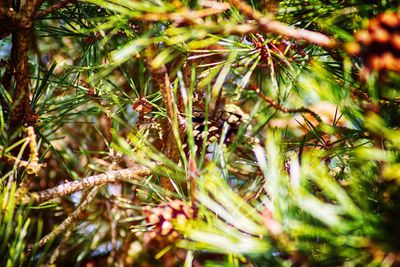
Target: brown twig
{"points": [[162, 82], [62, 246], [86, 183], [272, 26], [271, 102], [161, 79], [70, 219]]}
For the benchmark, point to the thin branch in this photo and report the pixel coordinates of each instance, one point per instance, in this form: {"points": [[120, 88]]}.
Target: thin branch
{"points": [[86, 183], [62, 246], [161, 80], [70, 219], [272, 26], [271, 102]]}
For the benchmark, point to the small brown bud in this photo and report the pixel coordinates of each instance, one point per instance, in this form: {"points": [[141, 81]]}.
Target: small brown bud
{"points": [[152, 235], [395, 64], [372, 24], [157, 211], [174, 235]]}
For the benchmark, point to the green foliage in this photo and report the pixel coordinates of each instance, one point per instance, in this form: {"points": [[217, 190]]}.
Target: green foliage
{"points": [[290, 156]]}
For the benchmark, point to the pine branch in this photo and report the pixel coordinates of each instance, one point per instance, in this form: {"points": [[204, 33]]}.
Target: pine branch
{"points": [[271, 26], [271, 102], [86, 183]]}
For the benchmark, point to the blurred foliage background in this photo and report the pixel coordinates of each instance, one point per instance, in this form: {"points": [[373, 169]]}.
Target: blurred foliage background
{"points": [[268, 132]]}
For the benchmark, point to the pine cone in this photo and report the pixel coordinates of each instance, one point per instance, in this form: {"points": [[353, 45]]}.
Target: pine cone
{"points": [[379, 44], [163, 218], [230, 115]]}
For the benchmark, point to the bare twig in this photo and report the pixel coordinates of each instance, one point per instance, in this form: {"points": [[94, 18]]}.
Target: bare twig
{"points": [[70, 219], [86, 183], [272, 26], [62, 246]]}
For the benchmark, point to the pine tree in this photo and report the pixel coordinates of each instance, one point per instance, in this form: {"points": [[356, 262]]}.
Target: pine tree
{"points": [[204, 133]]}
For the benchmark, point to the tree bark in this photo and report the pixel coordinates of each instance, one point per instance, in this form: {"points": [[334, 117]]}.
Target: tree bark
{"points": [[21, 108]]}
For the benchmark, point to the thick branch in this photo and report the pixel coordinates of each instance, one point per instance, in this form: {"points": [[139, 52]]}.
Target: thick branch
{"points": [[20, 57], [21, 106], [21, 109], [86, 183], [271, 26]]}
